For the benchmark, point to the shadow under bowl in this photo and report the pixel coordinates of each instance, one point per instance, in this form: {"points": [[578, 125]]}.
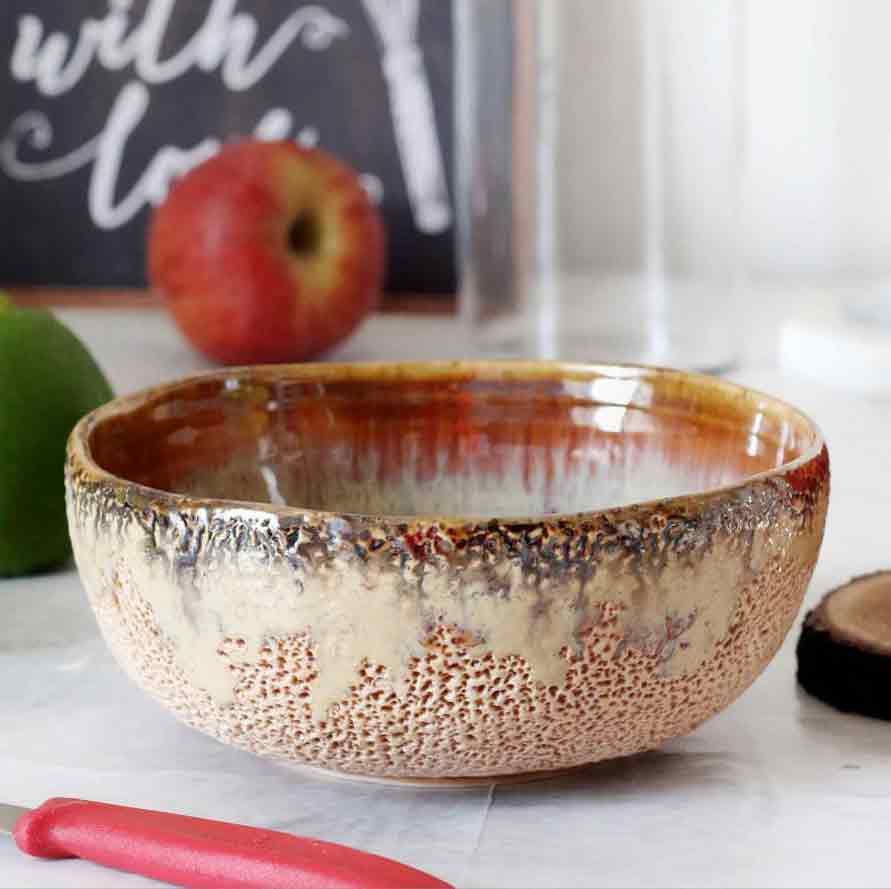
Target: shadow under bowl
{"points": [[446, 570]]}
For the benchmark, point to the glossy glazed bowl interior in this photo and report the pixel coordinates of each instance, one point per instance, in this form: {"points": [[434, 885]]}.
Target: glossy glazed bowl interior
{"points": [[446, 570], [510, 442]]}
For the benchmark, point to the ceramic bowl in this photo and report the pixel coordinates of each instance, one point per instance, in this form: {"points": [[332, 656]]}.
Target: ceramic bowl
{"points": [[441, 571]]}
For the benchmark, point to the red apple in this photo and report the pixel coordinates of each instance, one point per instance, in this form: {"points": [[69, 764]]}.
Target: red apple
{"points": [[267, 252]]}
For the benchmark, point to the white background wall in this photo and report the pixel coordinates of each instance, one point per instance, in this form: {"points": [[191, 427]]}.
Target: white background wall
{"points": [[813, 100], [818, 185]]}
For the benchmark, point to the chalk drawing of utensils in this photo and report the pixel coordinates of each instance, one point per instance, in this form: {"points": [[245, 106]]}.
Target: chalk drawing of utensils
{"points": [[395, 22]]}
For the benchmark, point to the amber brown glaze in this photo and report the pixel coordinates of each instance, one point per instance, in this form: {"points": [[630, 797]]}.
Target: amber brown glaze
{"points": [[446, 570]]}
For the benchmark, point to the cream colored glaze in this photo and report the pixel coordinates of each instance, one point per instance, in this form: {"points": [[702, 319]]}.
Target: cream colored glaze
{"points": [[581, 489], [354, 615]]}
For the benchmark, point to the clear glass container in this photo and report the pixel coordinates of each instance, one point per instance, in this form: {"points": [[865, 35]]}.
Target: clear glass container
{"points": [[599, 172]]}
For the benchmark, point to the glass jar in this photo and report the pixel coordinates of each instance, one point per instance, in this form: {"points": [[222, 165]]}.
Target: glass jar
{"points": [[598, 173]]}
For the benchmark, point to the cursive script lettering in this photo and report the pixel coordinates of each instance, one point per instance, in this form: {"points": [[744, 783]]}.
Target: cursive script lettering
{"points": [[106, 152], [225, 41]]}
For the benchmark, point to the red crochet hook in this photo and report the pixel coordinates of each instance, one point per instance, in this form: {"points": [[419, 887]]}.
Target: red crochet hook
{"points": [[199, 853]]}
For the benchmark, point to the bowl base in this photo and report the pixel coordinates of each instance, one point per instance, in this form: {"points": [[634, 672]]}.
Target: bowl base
{"points": [[436, 783]]}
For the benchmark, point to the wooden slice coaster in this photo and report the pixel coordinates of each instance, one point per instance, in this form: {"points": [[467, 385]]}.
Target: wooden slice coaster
{"points": [[844, 653]]}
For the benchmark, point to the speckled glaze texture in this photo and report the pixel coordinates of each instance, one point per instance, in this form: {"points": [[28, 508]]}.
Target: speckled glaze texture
{"points": [[299, 560]]}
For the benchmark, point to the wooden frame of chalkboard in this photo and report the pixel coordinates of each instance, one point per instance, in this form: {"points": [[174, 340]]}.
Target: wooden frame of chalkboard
{"points": [[106, 101], [141, 298]]}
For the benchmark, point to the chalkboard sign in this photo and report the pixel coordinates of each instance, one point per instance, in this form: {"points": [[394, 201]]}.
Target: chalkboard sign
{"points": [[104, 102]]}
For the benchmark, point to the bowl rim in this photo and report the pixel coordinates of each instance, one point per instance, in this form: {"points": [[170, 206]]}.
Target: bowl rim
{"points": [[79, 450]]}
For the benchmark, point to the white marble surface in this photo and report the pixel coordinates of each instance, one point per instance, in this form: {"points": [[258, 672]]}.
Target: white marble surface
{"points": [[777, 791]]}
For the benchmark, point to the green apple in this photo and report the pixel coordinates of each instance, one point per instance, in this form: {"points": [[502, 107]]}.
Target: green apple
{"points": [[48, 381]]}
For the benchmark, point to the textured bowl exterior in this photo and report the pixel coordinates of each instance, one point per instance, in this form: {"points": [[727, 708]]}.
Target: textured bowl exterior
{"points": [[431, 648]]}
